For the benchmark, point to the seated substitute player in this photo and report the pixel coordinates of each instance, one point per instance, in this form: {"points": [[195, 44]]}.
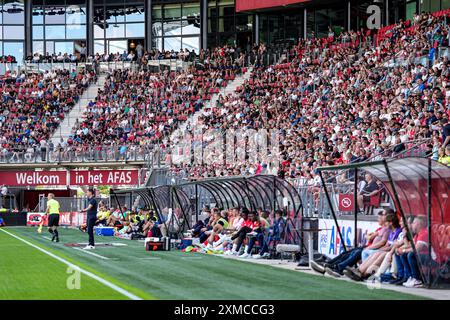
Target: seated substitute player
{"points": [[52, 213]]}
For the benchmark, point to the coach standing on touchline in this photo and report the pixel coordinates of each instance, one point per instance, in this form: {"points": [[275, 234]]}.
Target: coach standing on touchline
{"points": [[91, 218], [52, 213]]}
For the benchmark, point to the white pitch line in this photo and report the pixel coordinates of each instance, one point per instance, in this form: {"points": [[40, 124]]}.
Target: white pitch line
{"points": [[92, 254], [48, 238], [71, 265]]}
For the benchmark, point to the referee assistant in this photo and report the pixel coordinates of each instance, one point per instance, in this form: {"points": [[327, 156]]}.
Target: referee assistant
{"points": [[52, 213], [91, 218]]}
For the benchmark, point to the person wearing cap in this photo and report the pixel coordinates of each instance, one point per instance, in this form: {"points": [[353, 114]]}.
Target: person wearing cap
{"points": [[219, 226], [336, 266], [91, 211]]}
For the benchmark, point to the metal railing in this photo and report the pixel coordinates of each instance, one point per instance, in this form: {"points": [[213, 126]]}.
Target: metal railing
{"points": [[68, 204], [424, 60], [173, 64], [5, 67], [102, 66], [412, 148], [314, 202], [8, 201], [314, 199]]}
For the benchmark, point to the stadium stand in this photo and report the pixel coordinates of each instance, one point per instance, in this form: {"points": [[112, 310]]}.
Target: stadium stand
{"points": [[401, 85], [335, 103], [138, 56]]}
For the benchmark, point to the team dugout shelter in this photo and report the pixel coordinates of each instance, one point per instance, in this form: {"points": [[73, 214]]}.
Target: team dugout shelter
{"points": [[184, 202]]}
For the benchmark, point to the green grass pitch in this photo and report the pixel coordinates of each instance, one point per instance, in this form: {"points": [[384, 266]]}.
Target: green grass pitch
{"points": [[27, 273]]}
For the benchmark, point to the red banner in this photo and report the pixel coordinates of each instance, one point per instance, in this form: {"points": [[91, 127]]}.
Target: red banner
{"points": [[33, 178], [65, 219], [104, 177], [76, 178], [346, 202], [243, 5]]}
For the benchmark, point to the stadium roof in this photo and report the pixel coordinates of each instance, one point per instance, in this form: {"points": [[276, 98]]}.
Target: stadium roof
{"points": [[261, 191]]}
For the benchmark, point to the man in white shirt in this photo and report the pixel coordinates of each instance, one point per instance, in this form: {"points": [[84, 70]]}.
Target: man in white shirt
{"points": [[4, 190]]}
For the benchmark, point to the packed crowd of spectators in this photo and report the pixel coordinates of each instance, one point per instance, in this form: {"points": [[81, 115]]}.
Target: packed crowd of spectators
{"points": [[133, 223], [132, 111], [32, 106], [142, 56], [343, 101], [387, 256], [332, 100], [236, 231]]}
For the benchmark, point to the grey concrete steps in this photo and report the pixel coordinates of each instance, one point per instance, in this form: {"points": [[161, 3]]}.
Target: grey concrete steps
{"points": [[193, 119]]}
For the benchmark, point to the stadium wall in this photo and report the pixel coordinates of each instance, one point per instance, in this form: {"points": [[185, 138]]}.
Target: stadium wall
{"points": [[329, 242], [25, 186]]}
